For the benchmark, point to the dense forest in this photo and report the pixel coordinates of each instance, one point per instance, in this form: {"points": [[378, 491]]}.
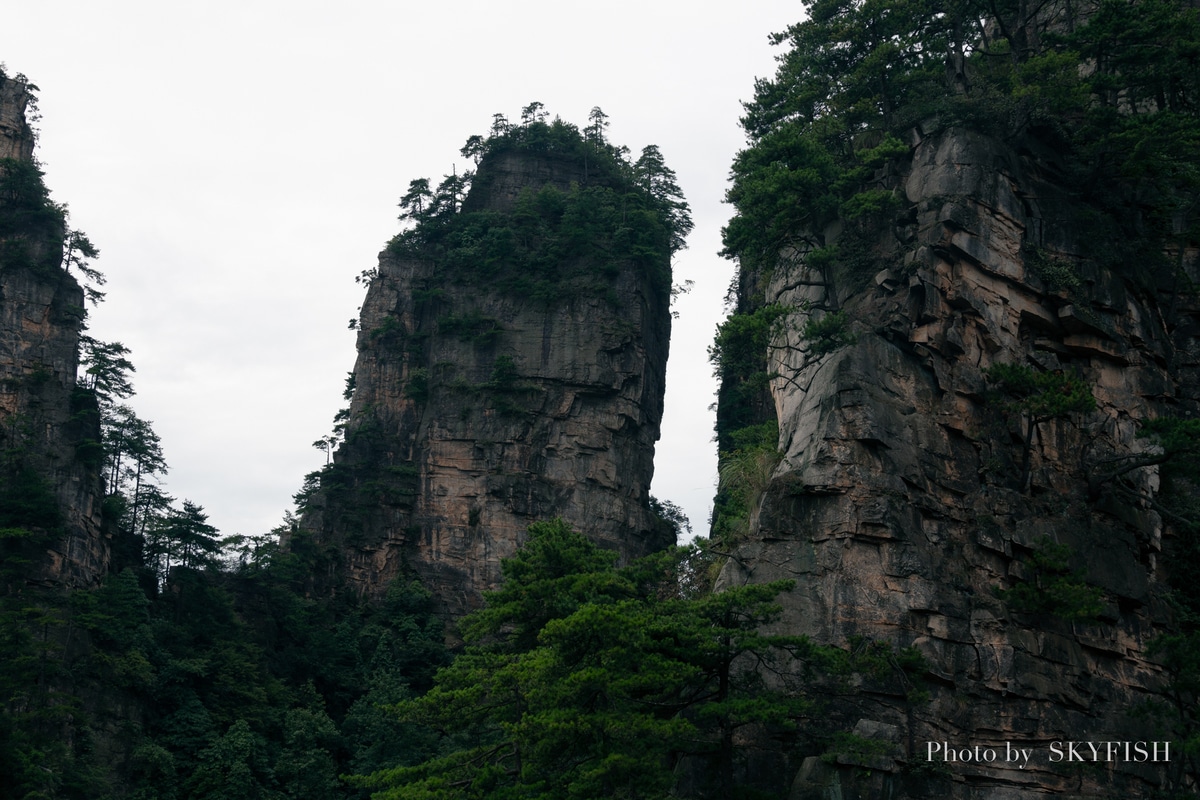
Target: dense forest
{"points": [[215, 667]]}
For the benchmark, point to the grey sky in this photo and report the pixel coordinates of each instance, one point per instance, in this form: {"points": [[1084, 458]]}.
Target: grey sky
{"points": [[238, 163]]}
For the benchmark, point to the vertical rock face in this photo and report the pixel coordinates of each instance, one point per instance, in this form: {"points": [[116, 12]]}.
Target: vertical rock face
{"points": [[16, 137], [898, 508], [477, 411], [42, 417]]}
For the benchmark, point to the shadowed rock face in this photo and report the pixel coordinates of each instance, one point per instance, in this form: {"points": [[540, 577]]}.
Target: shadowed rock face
{"points": [[476, 413], [42, 419], [16, 137], [897, 506]]}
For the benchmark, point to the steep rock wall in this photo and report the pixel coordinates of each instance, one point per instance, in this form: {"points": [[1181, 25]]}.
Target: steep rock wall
{"points": [[897, 507], [42, 417], [476, 412], [16, 137], [45, 419]]}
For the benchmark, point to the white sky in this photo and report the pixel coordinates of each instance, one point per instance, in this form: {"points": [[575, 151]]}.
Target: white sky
{"points": [[238, 163]]}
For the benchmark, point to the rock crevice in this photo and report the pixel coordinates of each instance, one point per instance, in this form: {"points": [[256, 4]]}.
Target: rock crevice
{"points": [[477, 411], [895, 505]]}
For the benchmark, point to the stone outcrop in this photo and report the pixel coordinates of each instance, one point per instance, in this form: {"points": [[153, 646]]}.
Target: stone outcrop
{"points": [[476, 412], [43, 418], [16, 137], [897, 505]]}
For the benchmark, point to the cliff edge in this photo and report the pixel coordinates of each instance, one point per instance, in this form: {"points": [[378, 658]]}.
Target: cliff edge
{"points": [[512, 354], [912, 503], [51, 487]]}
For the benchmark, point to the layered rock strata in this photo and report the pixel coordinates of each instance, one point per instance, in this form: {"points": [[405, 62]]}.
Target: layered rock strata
{"points": [[43, 419], [897, 505], [476, 412]]}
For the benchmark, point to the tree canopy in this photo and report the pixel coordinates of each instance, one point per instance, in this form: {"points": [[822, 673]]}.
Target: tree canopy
{"points": [[1111, 85], [557, 240], [583, 680]]}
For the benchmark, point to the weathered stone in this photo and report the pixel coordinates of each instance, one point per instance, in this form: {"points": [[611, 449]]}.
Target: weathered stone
{"points": [[16, 136], [912, 518], [41, 319], [447, 468]]}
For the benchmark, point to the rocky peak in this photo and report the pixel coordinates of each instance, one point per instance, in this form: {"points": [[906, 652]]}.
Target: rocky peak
{"points": [[497, 388]]}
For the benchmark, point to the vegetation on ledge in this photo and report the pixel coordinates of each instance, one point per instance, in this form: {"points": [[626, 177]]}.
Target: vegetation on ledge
{"points": [[556, 241]]}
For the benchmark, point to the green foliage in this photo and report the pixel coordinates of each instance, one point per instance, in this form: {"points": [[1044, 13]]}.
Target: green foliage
{"points": [[1040, 396], [781, 188], [245, 681], [1175, 450], [1178, 649], [1052, 588], [26, 498], [869, 203], [1037, 397], [234, 767], [672, 516], [549, 577], [585, 681], [29, 516], [1179, 654], [554, 243], [417, 386], [742, 340], [504, 376], [857, 747], [1179, 443], [387, 330], [857, 74], [827, 333], [34, 230], [31, 224], [656, 179], [470, 327], [1058, 274], [739, 355], [1108, 86], [745, 473]]}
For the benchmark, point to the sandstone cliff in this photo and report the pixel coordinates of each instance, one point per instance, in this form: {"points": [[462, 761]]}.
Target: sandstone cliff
{"points": [[897, 503], [482, 402], [16, 137], [43, 419]]}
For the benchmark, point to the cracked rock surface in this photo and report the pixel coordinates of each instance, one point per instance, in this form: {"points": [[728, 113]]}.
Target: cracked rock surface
{"points": [[896, 508], [458, 439]]}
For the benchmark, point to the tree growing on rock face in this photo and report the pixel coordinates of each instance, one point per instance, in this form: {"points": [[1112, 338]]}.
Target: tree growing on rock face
{"points": [[106, 370], [416, 201], [658, 181], [78, 251], [474, 149], [1038, 397]]}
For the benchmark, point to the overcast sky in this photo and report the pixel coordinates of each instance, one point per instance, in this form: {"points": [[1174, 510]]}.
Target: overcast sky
{"points": [[238, 163]]}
